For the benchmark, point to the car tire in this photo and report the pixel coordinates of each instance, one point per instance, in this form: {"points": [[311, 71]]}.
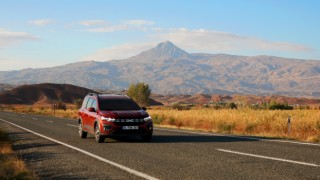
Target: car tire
{"points": [[147, 138], [82, 133], [97, 135]]}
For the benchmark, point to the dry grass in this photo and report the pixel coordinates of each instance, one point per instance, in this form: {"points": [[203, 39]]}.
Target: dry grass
{"points": [[71, 111], [305, 124], [11, 167]]}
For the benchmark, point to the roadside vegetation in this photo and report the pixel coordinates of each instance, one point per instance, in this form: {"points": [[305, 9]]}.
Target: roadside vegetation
{"points": [[11, 167], [140, 93], [304, 124]]}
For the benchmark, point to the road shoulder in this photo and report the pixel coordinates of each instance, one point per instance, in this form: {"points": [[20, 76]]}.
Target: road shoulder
{"points": [[50, 160]]}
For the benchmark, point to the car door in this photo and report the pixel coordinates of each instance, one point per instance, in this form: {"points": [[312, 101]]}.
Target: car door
{"points": [[86, 114], [92, 115], [82, 111]]}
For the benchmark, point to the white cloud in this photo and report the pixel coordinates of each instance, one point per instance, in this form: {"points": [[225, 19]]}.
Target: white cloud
{"points": [[109, 28], [202, 40], [138, 22], [41, 22], [93, 22], [119, 52], [103, 26], [8, 38], [199, 41]]}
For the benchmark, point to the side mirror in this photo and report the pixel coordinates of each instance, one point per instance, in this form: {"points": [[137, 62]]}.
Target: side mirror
{"points": [[91, 109], [144, 108]]}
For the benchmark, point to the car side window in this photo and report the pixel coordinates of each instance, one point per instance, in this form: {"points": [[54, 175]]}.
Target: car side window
{"points": [[94, 104], [89, 103], [84, 103]]}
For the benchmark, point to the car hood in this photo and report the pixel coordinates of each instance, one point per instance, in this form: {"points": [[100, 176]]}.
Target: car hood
{"points": [[124, 114]]}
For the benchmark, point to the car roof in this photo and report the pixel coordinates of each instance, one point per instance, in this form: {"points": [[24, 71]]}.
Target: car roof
{"points": [[109, 96], [113, 96]]}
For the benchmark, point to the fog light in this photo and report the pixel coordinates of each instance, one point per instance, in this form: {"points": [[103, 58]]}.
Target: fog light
{"points": [[107, 127]]}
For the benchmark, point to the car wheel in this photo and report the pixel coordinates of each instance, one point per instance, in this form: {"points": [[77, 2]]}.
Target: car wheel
{"points": [[97, 135], [147, 138], [82, 133]]}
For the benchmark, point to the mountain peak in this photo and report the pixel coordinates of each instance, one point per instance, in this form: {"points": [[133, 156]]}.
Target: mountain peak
{"points": [[166, 44], [165, 49]]}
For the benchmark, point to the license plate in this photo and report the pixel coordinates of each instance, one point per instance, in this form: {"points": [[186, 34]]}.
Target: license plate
{"points": [[130, 127]]}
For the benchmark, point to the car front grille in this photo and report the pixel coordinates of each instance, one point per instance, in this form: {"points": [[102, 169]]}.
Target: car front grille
{"points": [[129, 121]]}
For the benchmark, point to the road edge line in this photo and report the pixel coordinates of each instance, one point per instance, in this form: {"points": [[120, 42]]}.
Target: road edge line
{"points": [[132, 171]]}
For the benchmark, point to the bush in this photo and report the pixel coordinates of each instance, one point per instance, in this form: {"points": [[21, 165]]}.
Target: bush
{"points": [[61, 105], [226, 128], [157, 119], [78, 103], [179, 106], [280, 107], [231, 105], [140, 93]]}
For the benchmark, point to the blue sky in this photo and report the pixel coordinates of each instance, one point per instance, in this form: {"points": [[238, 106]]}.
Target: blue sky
{"points": [[37, 33]]}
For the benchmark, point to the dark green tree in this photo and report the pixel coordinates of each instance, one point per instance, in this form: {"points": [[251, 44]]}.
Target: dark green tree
{"points": [[78, 103], [61, 105], [140, 93], [231, 105]]}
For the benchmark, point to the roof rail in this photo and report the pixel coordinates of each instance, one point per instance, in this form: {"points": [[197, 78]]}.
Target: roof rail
{"points": [[92, 94]]}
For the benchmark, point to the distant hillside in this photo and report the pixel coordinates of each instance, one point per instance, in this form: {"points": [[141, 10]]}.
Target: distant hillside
{"points": [[171, 70], [6, 87], [239, 99], [43, 94], [47, 93]]}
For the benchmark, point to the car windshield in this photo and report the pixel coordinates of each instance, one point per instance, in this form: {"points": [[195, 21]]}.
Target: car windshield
{"points": [[118, 104]]}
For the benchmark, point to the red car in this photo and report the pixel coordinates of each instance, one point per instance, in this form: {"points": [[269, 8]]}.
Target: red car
{"points": [[108, 115]]}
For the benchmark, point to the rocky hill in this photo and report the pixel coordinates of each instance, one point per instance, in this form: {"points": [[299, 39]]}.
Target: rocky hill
{"points": [[43, 94], [171, 70], [238, 99]]}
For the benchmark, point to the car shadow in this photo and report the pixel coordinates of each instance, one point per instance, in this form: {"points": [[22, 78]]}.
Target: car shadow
{"points": [[182, 139]]}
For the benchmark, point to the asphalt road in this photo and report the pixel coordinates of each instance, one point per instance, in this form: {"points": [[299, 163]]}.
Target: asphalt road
{"points": [[51, 147]]}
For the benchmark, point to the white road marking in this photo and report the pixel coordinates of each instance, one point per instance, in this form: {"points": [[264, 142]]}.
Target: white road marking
{"points": [[266, 157], [49, 121], [132, 171], [239, 137], [34, 118], [72, 125]]}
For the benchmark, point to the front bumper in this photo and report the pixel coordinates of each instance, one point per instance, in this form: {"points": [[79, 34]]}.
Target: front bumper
{"points": [[116, 129]]}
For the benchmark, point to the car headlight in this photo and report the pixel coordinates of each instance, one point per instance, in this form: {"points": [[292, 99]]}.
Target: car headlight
{"points": [[108, 119], [146, 119]]}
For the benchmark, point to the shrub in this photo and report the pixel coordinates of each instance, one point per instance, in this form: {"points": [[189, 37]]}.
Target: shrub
{"points": [[78, 103], [225, 127], [140, 93], [231, 105], [61, 105], [280, 107], [157, 119], [179, 106]]}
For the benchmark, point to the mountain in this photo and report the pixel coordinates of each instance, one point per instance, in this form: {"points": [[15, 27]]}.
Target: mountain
{"points": [[239, 99], [6, 87], [164, 50], [171, 70], [43, 94]]}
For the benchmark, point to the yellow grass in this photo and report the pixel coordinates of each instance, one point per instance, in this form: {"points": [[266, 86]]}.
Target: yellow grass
{"points": [[305, 124], [71, 111], [11, 167]]}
